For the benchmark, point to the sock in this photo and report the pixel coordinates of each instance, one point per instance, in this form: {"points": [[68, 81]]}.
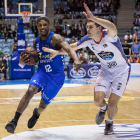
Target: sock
{"points": [[104, 108], [17, 116], [109, 120]]}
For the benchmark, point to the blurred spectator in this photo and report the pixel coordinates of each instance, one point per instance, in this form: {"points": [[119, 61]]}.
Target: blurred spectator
{"points": [[68, 32], [136, 48], [58, 28], [137, 12], [80, 24], [105, 10], [91, 5], [82, 59], [6, 34], [64, 28], [33, 21], [81, 34], [10, 32], [73, 25], [85, 54], [136, 21], [14, 48], [75, 31], [70, 5], [73, 40], [6, 58], [110, 18], [126, 48], [136, 35], [5, 28], [73, 15], [3, 67], [130, 60], [94, 60], [127, 36], [138, 60], [83, 29], [35, 30], [98, 10], [61, 5], [15, 40], [90, 61], [66, 9], [58, 17], [2, 35], [134, 58], [66, 16], [78, 15], [14, 33], [112, 9]]}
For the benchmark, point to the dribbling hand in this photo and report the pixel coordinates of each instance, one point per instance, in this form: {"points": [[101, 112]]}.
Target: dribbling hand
{"points": [[24, 59]]}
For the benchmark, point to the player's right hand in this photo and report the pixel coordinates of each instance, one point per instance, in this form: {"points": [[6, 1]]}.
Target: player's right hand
{"points": [[24, 59], [77, 64]]}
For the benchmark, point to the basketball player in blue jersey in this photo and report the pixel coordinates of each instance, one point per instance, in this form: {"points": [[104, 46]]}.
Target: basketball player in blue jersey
{"points": [[114, 72], [49, 77]]}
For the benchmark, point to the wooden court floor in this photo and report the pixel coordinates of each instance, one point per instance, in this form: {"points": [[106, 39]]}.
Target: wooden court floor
{"points": [[70, 114]]}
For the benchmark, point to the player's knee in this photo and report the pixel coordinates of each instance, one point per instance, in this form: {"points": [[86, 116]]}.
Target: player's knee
{"points": [[31, 91], [98, 98]]}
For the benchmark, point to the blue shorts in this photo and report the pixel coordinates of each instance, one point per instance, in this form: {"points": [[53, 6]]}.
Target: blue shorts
{"points": [[46, 85]]}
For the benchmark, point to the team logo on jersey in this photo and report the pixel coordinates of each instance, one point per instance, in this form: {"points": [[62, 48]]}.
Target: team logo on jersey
{"points": [[105, 45], [81, 73], [106, 55]]}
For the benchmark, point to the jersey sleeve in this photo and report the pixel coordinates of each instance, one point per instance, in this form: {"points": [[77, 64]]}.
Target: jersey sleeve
{"points": [[111, 39], [83, 42]]}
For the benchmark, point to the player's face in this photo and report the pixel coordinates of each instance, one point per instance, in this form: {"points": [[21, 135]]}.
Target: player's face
{"points": [[43, 27], [92, 29]]}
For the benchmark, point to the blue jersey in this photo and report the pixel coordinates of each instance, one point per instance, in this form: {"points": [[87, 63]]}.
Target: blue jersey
{"points": [[53, 68]]}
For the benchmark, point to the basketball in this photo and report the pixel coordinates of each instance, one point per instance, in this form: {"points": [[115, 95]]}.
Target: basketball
{"points": [[32, 55]]}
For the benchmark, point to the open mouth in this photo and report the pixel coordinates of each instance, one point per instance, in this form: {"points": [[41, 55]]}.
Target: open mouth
{"points": [[42, 31]]}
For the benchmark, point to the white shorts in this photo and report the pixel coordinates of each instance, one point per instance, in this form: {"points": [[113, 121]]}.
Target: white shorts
{"points": [[115, 81]]}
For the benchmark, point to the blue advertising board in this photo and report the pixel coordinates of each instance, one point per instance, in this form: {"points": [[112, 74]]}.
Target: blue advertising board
{"points": [[86, 71]]}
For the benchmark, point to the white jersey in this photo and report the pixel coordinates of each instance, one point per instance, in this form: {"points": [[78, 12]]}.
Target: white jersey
{"points": [[108, 50]]}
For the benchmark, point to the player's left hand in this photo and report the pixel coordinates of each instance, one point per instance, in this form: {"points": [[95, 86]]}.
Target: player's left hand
{"points": [[53, 52], [88, 13], [77, 64]]}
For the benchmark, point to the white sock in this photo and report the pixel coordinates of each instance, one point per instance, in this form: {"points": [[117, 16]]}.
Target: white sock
{"points": [[109, 120], [104, 107]]}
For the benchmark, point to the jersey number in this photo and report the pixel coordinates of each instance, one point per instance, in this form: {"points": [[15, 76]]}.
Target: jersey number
{"points": [[48, 68]]}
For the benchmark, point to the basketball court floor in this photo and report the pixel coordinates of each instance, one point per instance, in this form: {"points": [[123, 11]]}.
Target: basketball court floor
{"points": [[71, 115]]}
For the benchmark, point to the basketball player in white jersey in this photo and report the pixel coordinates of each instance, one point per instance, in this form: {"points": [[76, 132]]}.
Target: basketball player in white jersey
{"points": [[114, 72]]}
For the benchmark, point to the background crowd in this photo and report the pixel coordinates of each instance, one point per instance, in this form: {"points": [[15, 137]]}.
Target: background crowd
{"points": [[71, 30]]}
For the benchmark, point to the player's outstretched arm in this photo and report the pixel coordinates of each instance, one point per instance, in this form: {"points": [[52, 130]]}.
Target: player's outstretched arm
{"points": [[112, 30], [58, 41], [61, 51]]}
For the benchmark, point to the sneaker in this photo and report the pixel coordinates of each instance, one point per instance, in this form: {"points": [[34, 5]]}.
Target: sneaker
{"points": [[100, 116], [10, 127], [108, 128], [32, 121]]}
